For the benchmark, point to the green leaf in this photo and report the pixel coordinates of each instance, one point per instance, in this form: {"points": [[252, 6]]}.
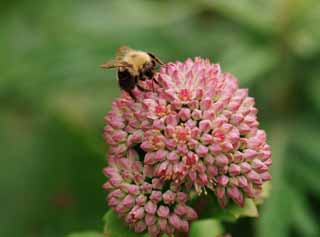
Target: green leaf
{"points": [[233, 212], [276, 212], [303, 218], [249, 209], [206, 228], [86, 234], [257, 15], [115, 227]]}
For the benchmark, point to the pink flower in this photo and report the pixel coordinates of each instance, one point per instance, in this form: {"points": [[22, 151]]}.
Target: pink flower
{"points": [[192, 130]]}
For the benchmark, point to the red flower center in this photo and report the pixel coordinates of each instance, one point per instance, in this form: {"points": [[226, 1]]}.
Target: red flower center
{"points": [[161, 110], [182, 134], [184, 94]]}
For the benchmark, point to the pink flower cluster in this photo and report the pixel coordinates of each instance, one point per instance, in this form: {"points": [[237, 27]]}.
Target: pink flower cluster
{"points": [[192, 130]]}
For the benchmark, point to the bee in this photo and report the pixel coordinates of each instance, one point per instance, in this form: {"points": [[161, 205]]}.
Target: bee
{"points": [[133, 66]]}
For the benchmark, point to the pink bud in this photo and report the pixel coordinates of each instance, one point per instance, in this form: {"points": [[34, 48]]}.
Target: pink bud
{"points": [[242, 181], [141, 200], [140, 227], [162, 169], [196, 114], [154, 230], [236, 119], [238, 157], [180, 210], [205, 126], [146, 187], [259, 166], [220, 191], [202, 150], [182, 197], [172, 120], [215, 148], [163, 211], [169, 197], [175, 221], [212, 171], [162, 224], [223, 180], [254, 177], [184, 114], [170, 144], [136, 214], [195, 133], [169, 131], [192, 144], [265, 176], [227, 146], [249, 154], [150, 219], [221, 160], [128, 201], [157, 183], [172, 156], [160, 155], [147, 146], [116, 193], [245, 167], [236, 195], [184, 226], [191, 123], [156, 196], [132, 189], [119, 136], [234, 170], [209, 159], [191, 214], [158, 124], [112, 201], [206, 139], [149, 158], [206, 104], [268, 162]]}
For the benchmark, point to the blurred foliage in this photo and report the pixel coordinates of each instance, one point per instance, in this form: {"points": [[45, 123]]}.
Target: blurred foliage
{"points": [[53, 98]]}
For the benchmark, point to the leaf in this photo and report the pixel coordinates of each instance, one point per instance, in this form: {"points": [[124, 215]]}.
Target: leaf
{"points": [[249, 209], [206, 228], [115, 227], [257, 15], [305, 37], [279, 203], [86, 234], [303, 218]]}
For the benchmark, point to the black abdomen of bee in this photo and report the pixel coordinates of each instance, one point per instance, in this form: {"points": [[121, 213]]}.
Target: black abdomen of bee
{"points": [[126, 81]]}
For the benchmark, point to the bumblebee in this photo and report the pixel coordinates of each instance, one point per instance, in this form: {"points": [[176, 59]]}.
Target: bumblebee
{"points": [[133, 66]]}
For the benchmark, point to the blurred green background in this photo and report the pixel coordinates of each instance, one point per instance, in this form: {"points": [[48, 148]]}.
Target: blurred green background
{"points": [[53, 98]]}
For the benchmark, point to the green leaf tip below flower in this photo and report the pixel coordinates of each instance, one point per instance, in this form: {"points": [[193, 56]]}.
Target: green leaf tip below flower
{"points": [[234, 212], [206, 228]]}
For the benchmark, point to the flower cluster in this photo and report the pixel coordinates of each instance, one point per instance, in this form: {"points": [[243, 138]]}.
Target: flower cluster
{"points": [[194, 129]]}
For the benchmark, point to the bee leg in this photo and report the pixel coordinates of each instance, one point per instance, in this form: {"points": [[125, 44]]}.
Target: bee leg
{"points": [[141, 88], [154, 80]]}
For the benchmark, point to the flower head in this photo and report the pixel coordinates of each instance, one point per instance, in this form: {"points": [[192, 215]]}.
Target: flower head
{"points": [[193, 130]]}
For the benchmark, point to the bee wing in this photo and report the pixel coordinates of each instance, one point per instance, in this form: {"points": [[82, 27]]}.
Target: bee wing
{"points": [[122, 51], [156, 58], [114, 64]]}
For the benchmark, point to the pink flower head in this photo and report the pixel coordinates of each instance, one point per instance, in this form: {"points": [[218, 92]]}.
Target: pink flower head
{"points": [[192, 130]]}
